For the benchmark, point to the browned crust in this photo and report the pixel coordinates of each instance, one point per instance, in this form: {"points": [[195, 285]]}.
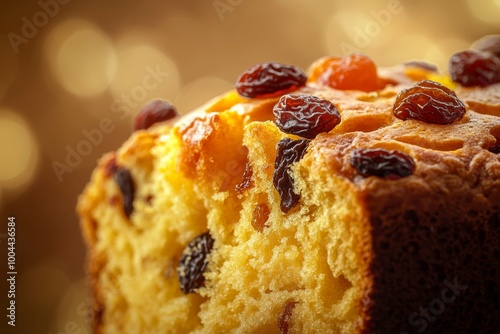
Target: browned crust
{"points": [[421, 250], [484, 101], [95, 261], [95, 265], [366, 256], [90, 197]]}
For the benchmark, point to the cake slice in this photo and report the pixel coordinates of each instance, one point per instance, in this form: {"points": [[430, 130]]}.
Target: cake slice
{"points": [[333, 202]]}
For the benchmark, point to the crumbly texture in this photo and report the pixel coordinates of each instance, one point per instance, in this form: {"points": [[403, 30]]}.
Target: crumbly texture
{"points": [[356, 255]]}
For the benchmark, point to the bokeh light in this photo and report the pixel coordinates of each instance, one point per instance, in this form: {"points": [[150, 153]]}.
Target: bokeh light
{"points": [[439, 53], [43, 284], [74, 310], [485, 10], [8, 66], [44, 281], [18, 151], [200, 91], [75, 118], [348, 21], [407, 49], [81, 57], [143, 73]]}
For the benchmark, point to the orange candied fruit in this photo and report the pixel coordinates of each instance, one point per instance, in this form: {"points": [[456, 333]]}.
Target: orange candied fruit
{"points": [[353, 72]]}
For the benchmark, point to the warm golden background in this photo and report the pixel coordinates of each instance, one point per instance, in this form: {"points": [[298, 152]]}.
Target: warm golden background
{"points": [[87, 61]]}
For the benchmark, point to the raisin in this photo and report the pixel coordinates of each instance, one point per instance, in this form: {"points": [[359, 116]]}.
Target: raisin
{"points": [[474, 68], [286, 316], [246, 181], [490, 43], [260, 216], [270, 79], [391, 165], [495, 149], [305, 115], [421, 64], [126, 184], [154, 112], [149, 199], [429, 102], [353, 72], [288, 152], [194, 262]]}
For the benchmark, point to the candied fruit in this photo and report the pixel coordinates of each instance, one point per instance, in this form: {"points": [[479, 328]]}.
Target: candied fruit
{"points": [[260, 216], [246, 181], [353, 72]]}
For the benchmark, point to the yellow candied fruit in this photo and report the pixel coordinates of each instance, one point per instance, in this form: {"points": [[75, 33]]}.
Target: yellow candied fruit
{"points": [[443, 79], [226, 102], [417, 73]]}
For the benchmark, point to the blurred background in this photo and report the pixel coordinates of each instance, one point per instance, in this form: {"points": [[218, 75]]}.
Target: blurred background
{"points": [[73, 73]]}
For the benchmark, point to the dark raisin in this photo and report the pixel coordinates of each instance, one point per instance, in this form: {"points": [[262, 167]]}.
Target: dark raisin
{"points": [[246, 181], [260, 216], [305, 115], [194, 262], [490, 43], [286, 317], [270, 79], [429, 102], [421, 64], [495, 149], [154, 112], [391, 165], [126, 184], [474, 68], [149, 199], [288, 152]]}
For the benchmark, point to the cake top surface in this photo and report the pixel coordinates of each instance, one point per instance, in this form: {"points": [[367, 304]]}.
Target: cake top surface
{"points": [[368, 118]]}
